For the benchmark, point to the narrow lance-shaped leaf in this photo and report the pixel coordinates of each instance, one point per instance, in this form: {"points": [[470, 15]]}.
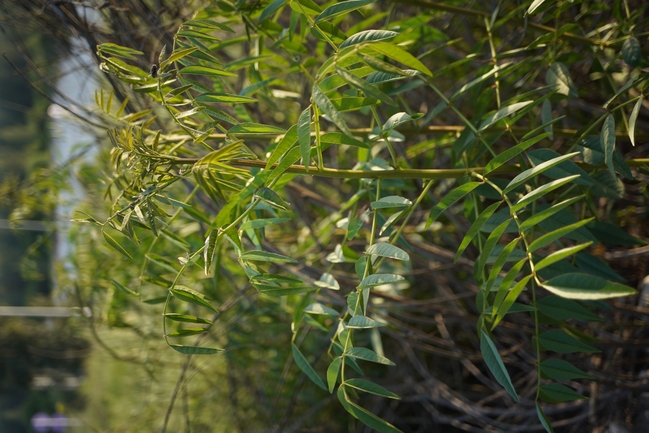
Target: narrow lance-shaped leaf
{"points": [[633, 118], [510, 299], [332, 373], [304, 365], [362, 322], [194, 350], [560, 255], [450, 199], [586, 287], [558, 393], [324, 104], [607, 141], [502, 113], [535, 171], [341, 8], [496, 365], [475, 228], [542, 191], [186, 318], [559, 369], [192, 296], [560, 342], [370, 387], [113, 243], [367, 36], [500, 262], [304, 136], [512, 152], [400, 55], [367, 355], [492, 240], [123, 288], [535, 219], [556, 234], [545, 422], [210, 246], [203, 70], [367, 417], [368, 89], [383, 249]]}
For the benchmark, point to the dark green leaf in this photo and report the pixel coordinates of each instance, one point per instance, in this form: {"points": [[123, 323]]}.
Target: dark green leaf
{"points": [[271, 198], [304, 365], [368, 36], [633, 118], [545, 422], [194, 350], [392, 201], [612, 234], [512, 152], [341, 8], [492, 240], [607, 141], [192, 296], [367, 355], [560, 342], [563, 309], [495, 364], [304, 136], [449, 200], [559, 369], [188, 332], [631, 52], [557, 393], [186, 318], [379, 279], [560, 255], [558, 77], [367, 417], [362, 322], [475, 228], [113, 243], [556, 234], [535, 171], [370, 90], [264, 256], [566, 168], [370, 387]]}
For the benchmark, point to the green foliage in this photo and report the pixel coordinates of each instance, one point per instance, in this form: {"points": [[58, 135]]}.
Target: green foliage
{"points": [[213, 167]]}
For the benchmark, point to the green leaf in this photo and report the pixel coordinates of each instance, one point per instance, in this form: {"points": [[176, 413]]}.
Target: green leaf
{"points": [[607, 141], [492, 240], [534, 6], [591, 151], [370, 90], [559, 369], [391, 201], [210, 247], [304, 136], [225, 98], [383, 249], [631, 52], [502, 113], [475, 228], [367, 417], [271, 9], [304, 365], [557, 393], [595, 266], [175, 56], [535, 219], [512, 152], [398, 119], [119, 51], [379, 279], [546, 117], [367, 36], [328, 281], [535, 171], [255, 128], [186, 318], [633, 118], [545, 422], [566, 168], [362, 322], [558, 77], [341, 8], [286, 143], [541, 191], [196, 35], [367, 355], [556, 234], [500, 262], [560, 342], [260, 223], [560, 255], [264, 256], [612, 234], [194, 350], [320, 310], [563, 309], [509, 300], [479, 80], [332, 373], [449, 200], [353, 103], [203, 70], [371, 388], [192, 296], [338, 138], [188, 332], [123, 288], [495, 364], [397, 53], [586, 287], [113, 243], [271, 198], [321, 100]]}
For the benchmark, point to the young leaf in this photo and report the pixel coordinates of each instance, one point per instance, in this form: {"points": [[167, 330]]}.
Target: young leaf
{"points": [[362, 322], [264, 256], [304, 136], [186, 318], [341, 8], [586, 287], [324, 104], [512, 152], [560, 342], [475, 228], [113, 243], [449, 200], [379, 279], [560, 255], [332, 373], [370, 90], [556, 234], [535, 171], [367, 36], [607, 141], [383, 249], [392, 201], [370, 387], [304, 365], [192, 296], [203, 70], [633, 118], [367, 355], [194, 350], [558, 77], [495, 364], [559, 369]]}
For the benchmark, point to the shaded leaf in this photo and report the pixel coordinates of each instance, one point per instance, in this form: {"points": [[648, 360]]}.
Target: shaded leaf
{"points": [[449, 200], [560, 342], [370, 387], [633, 118], [383, 249], [563, 309], [495, 364], [362, 322], [332, 373], [341, 8], [194, 350], [607, 141], [367, 355], [186, 318], [304, 365], [512, 152], [557, 393], [192, 296], [475, 228], [558, 77], [559, 369], [321, 100], [556, 234], [368, 36], [631, 53]]}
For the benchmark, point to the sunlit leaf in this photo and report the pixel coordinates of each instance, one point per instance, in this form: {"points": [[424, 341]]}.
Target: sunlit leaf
{"points": [[586, 287], [370, 387], [192, 296], [367, 355], [383, 249]]}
